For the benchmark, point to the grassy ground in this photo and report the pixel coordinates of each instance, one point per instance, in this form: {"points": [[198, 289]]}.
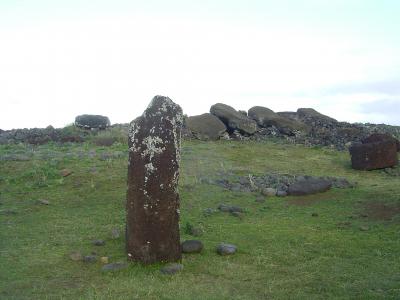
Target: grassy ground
{"points": [[283, 251]]}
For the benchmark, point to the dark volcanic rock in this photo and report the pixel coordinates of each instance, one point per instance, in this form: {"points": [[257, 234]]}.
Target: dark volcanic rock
{"points": [[266, 117], [233, 119], [309, 186], [206, 126], [192, 246], [92, 121], [152, 199], [373, 156]]}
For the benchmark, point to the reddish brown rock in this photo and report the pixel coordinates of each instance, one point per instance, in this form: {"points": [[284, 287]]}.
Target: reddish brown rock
{"points": [[379, 137], [376, 155], [152, 229]]}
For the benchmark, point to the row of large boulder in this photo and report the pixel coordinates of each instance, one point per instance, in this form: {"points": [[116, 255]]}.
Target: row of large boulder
{"points": [[305, 126]]}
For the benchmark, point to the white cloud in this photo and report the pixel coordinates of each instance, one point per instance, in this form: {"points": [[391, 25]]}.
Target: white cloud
{"points": [[53, 70]]}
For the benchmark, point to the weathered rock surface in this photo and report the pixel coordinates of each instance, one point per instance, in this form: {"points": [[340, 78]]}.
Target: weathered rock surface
{"points": [[233, 119], [226, 249], [92, 121], [152, 233], [265, 117], [309, 186], [192, 246], [311, 116], [379, 137], [206, 126], [371, 156]]}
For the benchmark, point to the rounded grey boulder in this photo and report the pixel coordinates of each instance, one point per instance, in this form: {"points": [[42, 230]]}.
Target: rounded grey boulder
{"points": [[206, 126], [192, 246], [226, 249], [265, 117], [233, 119], [92, 121], [309, 186]]}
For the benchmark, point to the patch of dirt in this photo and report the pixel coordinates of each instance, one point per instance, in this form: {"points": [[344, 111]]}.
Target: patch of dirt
{"points": [[309, 200], [380, 211]]}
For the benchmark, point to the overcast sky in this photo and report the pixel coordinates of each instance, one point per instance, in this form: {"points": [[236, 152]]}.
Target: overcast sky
{"points": [[59, 59]]}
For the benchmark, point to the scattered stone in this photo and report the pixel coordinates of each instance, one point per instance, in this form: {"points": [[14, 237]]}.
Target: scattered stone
{"points": [[267, 118], [233, 119], [98, 242], [152, 229], [171, 269], [314, 214], [364, 228], [115, 234], [65, 172], [281, 193], [237, 214], [89, 258], [92, 121], [104, 260], [192, 246], [206, 127], [270, 192], [309, 186], [226, 249], [114, 267], [43, 202], [76, 256]]}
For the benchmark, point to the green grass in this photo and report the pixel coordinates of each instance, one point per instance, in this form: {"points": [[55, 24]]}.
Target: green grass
{"points": [[283, 252]]}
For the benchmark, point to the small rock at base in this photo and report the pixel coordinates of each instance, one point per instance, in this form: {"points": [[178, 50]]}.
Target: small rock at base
{"points": [[99, 242], [43, 202], [89, 258], [171, 269], [237, 214], [75, 256], [364, 228], [226, 249], [192, 246], [114, 267]]}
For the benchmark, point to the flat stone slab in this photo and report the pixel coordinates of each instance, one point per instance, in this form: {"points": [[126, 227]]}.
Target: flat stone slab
{"points": [[309, 186]]}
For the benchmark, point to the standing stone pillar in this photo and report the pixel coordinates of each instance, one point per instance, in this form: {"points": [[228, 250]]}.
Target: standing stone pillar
{"points": [[152, 206]]}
